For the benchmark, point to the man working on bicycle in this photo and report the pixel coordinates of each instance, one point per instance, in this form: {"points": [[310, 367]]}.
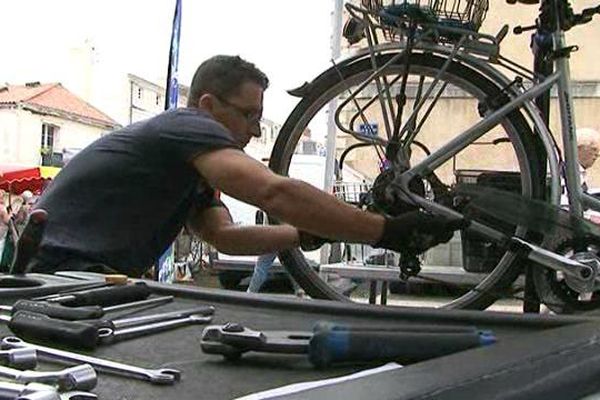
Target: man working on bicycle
{"points": [[122, 200]]}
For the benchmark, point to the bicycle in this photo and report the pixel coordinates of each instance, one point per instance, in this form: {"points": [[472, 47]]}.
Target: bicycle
{"points": [[432, 65]]}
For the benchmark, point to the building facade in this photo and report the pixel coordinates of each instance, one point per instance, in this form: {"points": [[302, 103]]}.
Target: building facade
{"points": [[44, 124]]}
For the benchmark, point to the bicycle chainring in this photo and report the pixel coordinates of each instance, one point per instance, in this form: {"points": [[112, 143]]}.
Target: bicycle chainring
{"points": [[565, 294]]}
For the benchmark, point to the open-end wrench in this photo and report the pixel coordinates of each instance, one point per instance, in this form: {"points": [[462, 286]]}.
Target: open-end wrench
{"points": [[19, 358], [80, 377], [77, 395], [163, 376], [108, 335]]}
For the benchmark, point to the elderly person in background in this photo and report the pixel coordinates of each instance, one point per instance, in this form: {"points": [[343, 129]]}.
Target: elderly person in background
{"points": [[588, 147]]}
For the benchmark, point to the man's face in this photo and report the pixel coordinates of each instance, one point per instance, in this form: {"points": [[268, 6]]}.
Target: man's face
{"points": [[588, 153], [241, 113]]}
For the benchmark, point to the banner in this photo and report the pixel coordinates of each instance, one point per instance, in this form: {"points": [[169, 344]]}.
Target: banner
{"points": [[166, 262]]}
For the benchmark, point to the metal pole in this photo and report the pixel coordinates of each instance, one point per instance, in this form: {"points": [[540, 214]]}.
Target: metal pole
{"points": [[336, 40]]}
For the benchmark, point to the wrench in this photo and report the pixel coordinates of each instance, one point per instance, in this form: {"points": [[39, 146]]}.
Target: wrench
{"points": [[77, 395], [38, 391], [108, 335], [80, 377], [153, 318], [32, 391], [163, 376], [19, 358]]}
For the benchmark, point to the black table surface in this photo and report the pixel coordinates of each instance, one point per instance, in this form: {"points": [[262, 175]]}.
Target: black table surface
{"points": [[207, 376]]}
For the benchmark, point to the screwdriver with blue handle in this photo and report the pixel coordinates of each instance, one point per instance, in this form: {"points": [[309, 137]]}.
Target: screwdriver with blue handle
{"points": [[331, 343], [335, 344]]}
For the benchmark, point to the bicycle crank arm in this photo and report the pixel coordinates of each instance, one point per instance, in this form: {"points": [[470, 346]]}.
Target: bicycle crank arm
{"points": [[584, 274]]}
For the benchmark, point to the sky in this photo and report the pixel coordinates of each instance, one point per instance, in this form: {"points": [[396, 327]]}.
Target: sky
{"points": [[288, 39]]}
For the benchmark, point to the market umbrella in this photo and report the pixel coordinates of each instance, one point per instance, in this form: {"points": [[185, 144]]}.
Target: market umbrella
{"points": [[17, 178]]}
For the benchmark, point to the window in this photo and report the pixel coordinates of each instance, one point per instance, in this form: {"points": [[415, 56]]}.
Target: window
{"points": [[49, 140], [48, 133]]}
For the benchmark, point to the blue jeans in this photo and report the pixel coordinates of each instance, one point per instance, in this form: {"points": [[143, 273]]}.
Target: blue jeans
{"points": [[261, 272]]}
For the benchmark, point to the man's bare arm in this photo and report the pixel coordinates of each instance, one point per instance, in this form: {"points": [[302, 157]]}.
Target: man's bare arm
{"points": [[290, 200], [214, 225]]}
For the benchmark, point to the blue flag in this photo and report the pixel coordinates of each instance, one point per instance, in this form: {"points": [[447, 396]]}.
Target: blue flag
{"points": [[172, 74], [166, 265]]}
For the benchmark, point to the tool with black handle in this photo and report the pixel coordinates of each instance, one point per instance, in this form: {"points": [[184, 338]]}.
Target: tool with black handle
{"points": [[106, 296], [330, 343], [57, 310], [88, 335], [41, 328]]}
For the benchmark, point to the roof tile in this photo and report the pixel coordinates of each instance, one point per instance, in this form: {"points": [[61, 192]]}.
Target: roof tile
{"points": [[53, 96]]}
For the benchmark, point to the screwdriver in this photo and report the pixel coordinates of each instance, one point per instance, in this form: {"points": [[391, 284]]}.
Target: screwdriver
{"points": [[105, 296], [57, 310]]}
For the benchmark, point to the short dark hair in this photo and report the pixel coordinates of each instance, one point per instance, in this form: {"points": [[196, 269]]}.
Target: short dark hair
{"points": [[222, 76]]}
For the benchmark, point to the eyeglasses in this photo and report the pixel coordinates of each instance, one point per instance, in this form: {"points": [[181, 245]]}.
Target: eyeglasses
{"points": [[251, 116]]}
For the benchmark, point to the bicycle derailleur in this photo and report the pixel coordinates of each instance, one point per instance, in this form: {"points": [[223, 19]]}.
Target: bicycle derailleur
{"points": [[386, 197]]}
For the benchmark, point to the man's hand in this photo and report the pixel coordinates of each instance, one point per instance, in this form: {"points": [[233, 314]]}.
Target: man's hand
{"points": [[417, 231], [310, 242]]}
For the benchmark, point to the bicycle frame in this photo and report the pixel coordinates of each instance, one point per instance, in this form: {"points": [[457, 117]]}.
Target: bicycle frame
{"points": [[578, 200]]}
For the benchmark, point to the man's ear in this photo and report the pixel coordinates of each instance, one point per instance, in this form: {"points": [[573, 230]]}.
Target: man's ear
{"points": [[206, 102]]}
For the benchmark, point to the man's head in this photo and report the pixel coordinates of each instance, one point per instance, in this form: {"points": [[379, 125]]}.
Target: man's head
{"points": [[588, 146], [231, 89]]}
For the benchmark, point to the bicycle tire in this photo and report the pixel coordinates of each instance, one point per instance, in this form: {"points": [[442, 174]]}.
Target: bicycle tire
{"points": [[329, 85]]}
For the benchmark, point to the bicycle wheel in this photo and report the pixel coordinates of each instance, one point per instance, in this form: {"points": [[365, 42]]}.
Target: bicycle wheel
{"points": [[454, 104]]}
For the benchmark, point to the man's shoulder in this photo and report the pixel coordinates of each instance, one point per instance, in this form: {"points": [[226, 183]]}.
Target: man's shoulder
{"points": [[186, 120]]}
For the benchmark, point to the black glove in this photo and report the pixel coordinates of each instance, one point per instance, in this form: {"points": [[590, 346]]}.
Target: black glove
{"points": [[310, 242], [417, 231]]}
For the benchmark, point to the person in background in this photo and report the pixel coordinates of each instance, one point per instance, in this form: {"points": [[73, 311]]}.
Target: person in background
{"points": [[260, 275], [588, 147], [4, 218]]}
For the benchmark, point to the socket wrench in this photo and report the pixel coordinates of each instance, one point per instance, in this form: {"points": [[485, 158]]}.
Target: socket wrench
{"points": [[80, 377], [38, 391], [19, 358]]}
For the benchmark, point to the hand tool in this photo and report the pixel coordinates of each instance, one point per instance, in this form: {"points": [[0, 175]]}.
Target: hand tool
{"points": [[152, 318], [164, 376], [38, 391], [80, 377], [88, 335], [108, 335], [77, 395], [19, 358], [31, 391], [57, 310], [76, 288], [330, 343], [29, 242], [104, 296]]}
